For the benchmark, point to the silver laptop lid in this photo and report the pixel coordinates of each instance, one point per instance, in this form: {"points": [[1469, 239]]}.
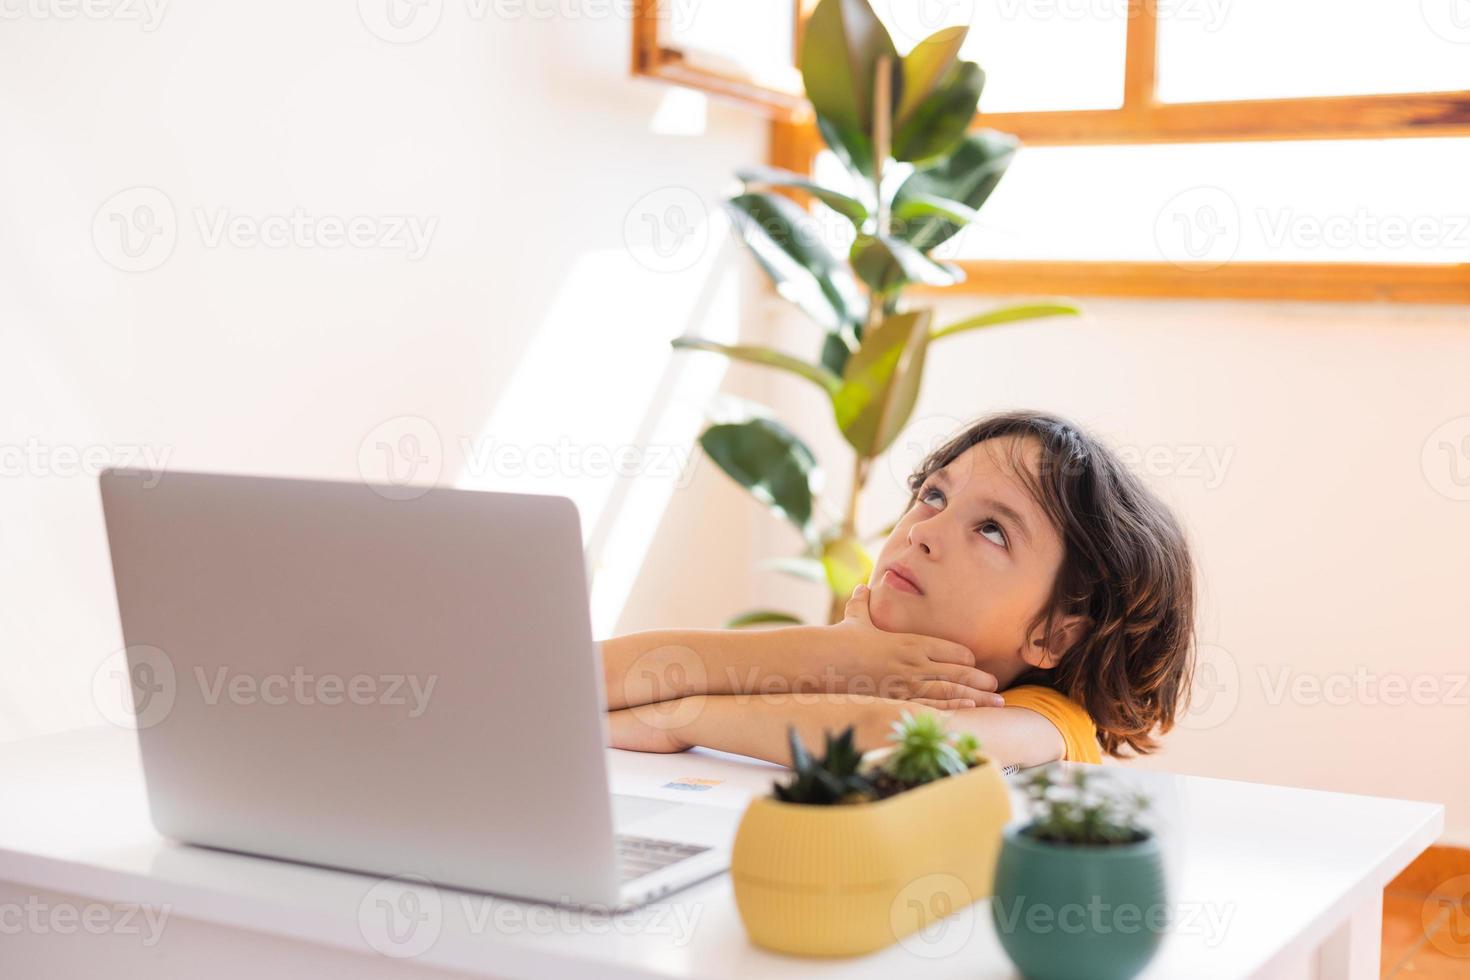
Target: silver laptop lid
{"points": [[332, 673]]}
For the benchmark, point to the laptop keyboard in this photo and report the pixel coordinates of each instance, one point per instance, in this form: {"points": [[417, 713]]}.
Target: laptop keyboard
{"points": [[638, 856]]}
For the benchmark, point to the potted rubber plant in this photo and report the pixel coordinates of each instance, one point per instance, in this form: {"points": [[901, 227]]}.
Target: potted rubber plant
{"points": [[1080, 890], [916, 175], [857, 851]]}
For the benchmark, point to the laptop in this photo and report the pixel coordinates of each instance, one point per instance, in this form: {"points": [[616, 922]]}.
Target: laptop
{"points": [[390, 682]]}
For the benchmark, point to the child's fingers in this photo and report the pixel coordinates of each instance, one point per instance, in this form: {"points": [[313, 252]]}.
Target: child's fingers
{"points": [[951, 704], [950, 691], [857, 606]]}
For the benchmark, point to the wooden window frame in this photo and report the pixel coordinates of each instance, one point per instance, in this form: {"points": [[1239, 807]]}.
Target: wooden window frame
{"points": [[1141, 119]]}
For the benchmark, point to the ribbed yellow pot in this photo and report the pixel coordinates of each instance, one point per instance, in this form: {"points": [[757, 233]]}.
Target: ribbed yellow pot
{"points": [[848, 879]]}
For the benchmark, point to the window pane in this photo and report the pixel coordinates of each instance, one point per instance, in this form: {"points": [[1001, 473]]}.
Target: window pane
{"points": [[1212, 50], [749, 36], [1202, 205], [1037, 54]]}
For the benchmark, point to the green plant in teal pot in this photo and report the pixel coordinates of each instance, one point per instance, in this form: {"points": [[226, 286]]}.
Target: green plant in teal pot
{"points": [[1080, 890]]}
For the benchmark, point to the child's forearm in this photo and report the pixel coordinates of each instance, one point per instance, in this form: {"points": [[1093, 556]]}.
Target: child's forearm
{"points": [[660, 665], [757, 726]]}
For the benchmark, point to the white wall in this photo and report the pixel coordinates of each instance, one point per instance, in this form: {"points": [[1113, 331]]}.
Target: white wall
{"points": [[537, 316], [1333, 552]]}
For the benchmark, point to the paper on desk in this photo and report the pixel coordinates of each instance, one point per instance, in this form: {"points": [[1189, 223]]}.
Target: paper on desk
{"points": [[697, 776]]}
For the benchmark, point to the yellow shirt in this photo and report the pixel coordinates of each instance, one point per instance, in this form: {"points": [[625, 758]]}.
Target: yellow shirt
{"points": [[1075, 724]]}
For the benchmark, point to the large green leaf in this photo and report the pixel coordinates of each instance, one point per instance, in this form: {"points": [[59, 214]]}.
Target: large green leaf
{"points": [[760, 617], [767, 459], [836, 349], [881, 382], [827, 380], [1007, 314], [847, 564], [887, 264], [809, 569], [788, 244], [925, 67], [939, 121], [967, 175], [840, 48], [762, 178]]}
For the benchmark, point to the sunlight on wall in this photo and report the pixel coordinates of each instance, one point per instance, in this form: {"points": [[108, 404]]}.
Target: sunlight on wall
{"points": [[603, 411]]}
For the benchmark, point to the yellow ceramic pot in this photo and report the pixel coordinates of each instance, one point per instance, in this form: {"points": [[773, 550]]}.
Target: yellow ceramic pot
{"points": [[852, 878]]}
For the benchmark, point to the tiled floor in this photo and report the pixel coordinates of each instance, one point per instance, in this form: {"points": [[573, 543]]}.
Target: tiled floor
{"points": [[1426, 918]]}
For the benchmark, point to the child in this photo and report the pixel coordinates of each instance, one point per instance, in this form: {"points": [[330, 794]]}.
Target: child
{"points": [[1034, 591]]}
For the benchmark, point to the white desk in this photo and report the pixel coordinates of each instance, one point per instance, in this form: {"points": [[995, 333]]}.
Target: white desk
{"points": [[1274, 882]]}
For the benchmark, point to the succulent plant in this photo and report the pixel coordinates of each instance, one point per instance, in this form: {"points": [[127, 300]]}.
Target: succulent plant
{"points": [[925, 751], [834, 779], [1071, 805]]}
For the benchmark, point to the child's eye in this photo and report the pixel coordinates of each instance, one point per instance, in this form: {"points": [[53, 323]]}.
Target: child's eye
{"points": [[988, 528]]}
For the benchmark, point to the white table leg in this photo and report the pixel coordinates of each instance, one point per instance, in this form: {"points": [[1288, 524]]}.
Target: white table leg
{"points": [[1352, 952]]}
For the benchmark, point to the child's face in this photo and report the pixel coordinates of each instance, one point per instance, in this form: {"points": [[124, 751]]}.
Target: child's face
{"points": [[984, 554]]}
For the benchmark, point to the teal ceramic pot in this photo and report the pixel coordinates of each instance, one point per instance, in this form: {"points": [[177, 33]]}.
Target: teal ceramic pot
{"points": [[1070, 912]]}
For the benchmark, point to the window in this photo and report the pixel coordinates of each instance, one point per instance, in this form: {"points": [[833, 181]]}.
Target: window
{"points": [[1308, 149]]}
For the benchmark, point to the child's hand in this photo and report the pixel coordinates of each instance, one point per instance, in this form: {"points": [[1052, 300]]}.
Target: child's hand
{"points": [[906, 666]]}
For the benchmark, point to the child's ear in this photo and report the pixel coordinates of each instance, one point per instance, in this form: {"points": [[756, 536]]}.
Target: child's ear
{"points": [[1066, 631]]}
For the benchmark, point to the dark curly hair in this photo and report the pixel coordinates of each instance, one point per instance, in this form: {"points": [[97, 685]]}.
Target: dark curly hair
{"points": [[1126, 568]]}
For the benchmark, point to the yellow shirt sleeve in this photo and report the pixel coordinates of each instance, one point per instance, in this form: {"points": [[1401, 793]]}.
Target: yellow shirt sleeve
{"points": [[1075, 724]]}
